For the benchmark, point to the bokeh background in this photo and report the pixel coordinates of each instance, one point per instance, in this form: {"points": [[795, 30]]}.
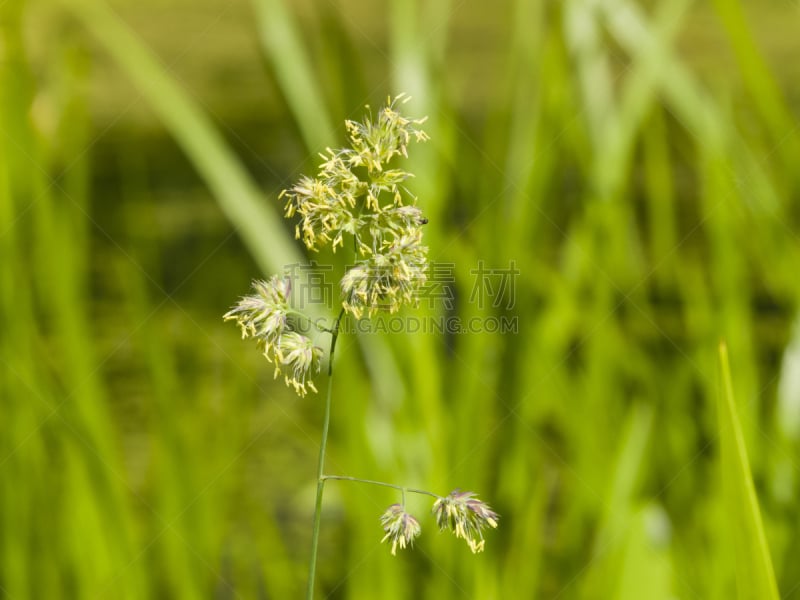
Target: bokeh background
{"points": [[637, 162]]}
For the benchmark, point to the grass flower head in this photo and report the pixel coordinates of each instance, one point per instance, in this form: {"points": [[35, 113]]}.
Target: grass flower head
{"points": [[297, 356], [466, 516], [358, 192], [264, 316], [400, 527], [388, 280]]}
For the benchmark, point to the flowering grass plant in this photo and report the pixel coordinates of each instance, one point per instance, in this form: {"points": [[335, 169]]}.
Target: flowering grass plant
{"points": [[359, 194]]}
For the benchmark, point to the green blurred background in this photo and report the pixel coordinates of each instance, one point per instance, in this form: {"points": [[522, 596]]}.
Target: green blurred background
{"points": [[638, 163]]}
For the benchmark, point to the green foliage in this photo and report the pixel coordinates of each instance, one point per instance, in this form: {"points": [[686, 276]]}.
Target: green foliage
{"points": [[644, 186], [754, 574]]}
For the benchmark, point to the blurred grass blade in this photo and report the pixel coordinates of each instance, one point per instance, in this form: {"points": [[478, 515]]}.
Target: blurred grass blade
{"points": [[237, 194], [692, 105], [618, 515], [698, 111], [754, 574], [638, 92], [788, 412], [585, 41], [758, 78], [634, 441], [646, 559], [283, 47]]}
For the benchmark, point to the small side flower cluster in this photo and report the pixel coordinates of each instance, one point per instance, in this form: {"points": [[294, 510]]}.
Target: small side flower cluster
{"points": [[400, 527], [264, 316], [460, 512], [356, 193]]}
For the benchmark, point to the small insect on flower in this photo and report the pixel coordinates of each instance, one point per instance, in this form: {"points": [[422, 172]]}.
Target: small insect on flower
{"points": [[400, 527]]}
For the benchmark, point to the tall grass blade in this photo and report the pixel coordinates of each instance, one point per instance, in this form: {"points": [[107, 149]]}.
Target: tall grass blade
{"points": [[646, 562], [619, 514], [754, 574], [237, 194], [757, 77], [284, 49]]}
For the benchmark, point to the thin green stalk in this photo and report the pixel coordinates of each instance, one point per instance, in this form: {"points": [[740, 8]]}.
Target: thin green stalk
{"points": [[312, 567], [384, 484]]}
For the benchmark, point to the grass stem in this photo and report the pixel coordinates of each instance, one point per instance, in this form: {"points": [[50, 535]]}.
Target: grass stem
{"points": [[400, 488], [312, 567]]}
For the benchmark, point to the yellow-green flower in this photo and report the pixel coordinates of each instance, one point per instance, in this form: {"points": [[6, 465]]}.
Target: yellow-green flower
{"points": [[296, 357], [386, 280], [355, 192], [264, 316]]}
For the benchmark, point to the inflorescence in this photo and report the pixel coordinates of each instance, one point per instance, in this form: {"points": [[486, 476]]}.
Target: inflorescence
{"points": [[466, 516], [462, 513], [400, 527], [264, 316], [356, 194]]}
